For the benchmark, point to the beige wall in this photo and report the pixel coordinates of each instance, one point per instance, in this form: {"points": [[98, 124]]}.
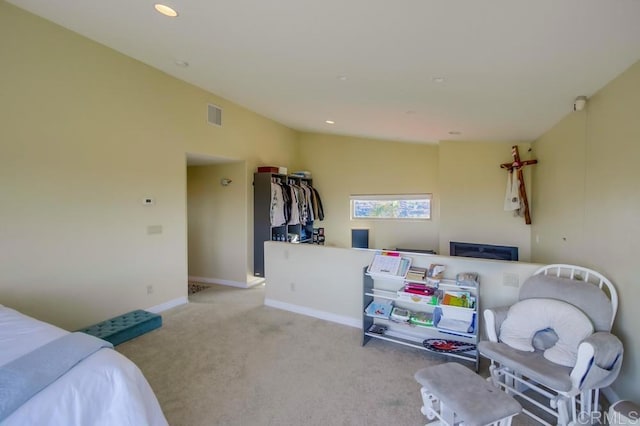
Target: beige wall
{"points": [[559, 200], [465, 179], [298, 282], [216, 216], [343, 166], [472, 190], [86, 133], [586, 190]]}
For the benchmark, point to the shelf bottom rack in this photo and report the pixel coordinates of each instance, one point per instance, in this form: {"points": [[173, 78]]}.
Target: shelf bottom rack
{"points": [[395, 337]]}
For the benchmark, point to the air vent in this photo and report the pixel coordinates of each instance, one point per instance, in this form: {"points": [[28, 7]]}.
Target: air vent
{"points": [[214, 115]]}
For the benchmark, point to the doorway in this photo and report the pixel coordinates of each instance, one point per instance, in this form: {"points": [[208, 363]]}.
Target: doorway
{"points": [[216, 221]]}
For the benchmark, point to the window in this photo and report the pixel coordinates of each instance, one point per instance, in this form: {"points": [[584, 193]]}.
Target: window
{"points": [[396, 207]]}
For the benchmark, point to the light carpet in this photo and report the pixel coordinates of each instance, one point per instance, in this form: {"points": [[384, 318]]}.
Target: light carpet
{"points": [[226, 359]]}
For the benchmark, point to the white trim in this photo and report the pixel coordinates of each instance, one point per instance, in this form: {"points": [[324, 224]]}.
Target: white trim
{"points": [[254, 281], [354, 198], [583, 274], [168, 305], [226, 282], [392, 197], [323, 315]]}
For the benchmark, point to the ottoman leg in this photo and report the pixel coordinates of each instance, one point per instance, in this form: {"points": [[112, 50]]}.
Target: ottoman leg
{"points": [[430, 404], [434, 408], [447, 416], [504, 422]]}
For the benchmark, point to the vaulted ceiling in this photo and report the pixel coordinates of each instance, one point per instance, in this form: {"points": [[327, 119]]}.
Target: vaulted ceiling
{"points": [[407, 70]]}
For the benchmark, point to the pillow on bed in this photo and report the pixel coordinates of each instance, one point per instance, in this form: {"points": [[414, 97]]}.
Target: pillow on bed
{"points": [[528, 317]]}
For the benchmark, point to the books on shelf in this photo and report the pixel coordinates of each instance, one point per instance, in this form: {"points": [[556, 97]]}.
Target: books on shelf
{"points": [[379, 309], [419, 303], [457, 298], [416, 273], [433, 282], [459, 320], [389, 263], [423, 319], [418, 292], [469, 279], [400, 314], [385, 264], [417, 298], [405, 263], [436, 271], [419, 288]]}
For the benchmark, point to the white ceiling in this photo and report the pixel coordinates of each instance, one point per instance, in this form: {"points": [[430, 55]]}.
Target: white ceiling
{"points": [[512, 68]]}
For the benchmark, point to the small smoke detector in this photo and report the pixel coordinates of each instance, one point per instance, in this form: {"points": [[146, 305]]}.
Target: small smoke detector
{"points": [[214, 115]]}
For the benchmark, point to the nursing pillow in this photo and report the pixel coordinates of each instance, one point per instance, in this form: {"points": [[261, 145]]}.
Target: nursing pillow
{"points": [[530, 316]]}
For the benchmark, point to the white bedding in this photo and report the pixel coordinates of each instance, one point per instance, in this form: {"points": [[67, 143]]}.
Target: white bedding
{"points": [[104, 389]]}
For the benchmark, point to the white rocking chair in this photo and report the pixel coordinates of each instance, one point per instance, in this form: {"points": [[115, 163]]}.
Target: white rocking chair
{"points": [[572, 391]]}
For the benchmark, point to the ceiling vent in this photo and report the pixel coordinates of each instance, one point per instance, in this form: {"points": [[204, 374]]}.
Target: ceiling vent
{"points": [[214, 115]]}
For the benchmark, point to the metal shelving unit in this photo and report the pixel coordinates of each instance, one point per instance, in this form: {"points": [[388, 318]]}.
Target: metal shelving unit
{"points": [[386, 288]]}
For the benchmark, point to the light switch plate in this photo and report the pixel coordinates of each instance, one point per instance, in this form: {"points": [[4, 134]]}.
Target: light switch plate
{"points": [[154, 229]]}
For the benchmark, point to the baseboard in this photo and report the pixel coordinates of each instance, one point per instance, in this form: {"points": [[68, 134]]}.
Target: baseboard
{"points": [[254, 281], [168, 305], [221, 282], [327, 316]]}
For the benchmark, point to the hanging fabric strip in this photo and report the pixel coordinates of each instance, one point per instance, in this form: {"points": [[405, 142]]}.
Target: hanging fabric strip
{"points": [[512, 194], [276, 212]]}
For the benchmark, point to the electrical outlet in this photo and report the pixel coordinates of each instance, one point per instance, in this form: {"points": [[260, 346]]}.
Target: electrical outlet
{"points": [[293, 287], [510, 280], [149, 289]]}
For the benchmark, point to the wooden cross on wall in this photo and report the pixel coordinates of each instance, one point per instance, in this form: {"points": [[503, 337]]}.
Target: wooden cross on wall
{"points": [[516, 166]]}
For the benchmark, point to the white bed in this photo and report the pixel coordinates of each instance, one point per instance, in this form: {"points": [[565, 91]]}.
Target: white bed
{"points": [[105, 388]]}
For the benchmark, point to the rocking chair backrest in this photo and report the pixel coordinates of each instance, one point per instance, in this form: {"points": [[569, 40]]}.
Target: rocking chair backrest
{"points": [[584, 288]]}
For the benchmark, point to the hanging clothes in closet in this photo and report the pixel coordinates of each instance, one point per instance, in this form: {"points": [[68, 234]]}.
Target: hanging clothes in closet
{"points": [[279, 200], [294, 203], [316, 203]]}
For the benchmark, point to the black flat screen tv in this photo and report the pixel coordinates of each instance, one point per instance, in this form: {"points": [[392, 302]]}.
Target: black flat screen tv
{"points": [[483, 251]]}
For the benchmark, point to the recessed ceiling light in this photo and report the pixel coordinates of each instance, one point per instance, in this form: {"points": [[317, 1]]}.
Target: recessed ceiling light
{"points": [[410, 112], [182, 64], [165, 10], [330, 122], [455, 133], [438, 79], [343, 78]]}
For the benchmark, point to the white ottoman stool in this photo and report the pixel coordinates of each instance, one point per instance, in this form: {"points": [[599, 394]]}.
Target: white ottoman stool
{"points": [[454, 394], [624, 413]]}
